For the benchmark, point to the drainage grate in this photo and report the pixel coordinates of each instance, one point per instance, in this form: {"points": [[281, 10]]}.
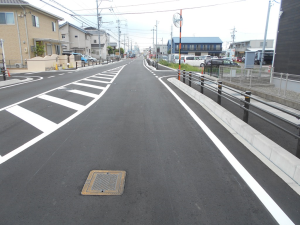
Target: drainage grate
{"points": [[104, 182]]}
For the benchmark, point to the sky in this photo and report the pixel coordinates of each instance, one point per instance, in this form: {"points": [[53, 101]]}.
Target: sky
{"points": [[201, 18]]}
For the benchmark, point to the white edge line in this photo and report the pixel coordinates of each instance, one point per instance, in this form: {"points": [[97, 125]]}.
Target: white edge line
{"points": [[263, 196], [41, 136]]}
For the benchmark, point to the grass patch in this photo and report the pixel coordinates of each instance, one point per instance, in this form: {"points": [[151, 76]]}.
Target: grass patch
{"points": [[183, 66]]}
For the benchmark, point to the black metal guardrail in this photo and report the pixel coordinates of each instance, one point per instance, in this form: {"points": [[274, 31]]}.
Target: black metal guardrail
{"points": [[152, 63], [199, 80]]}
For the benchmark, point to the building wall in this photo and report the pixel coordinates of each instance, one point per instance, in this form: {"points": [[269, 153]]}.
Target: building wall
{"points": [[287, 46], [18, 38]]}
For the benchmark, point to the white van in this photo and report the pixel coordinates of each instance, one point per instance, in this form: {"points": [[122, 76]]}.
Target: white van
{"points": [[174, 58]]}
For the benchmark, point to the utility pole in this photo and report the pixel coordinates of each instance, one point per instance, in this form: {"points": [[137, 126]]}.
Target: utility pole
{"points": [[265, 38], [131, 46], [124, 44], [98, 23], [156, 42], [171, 39], [233, 34], [128, 44], [153, 39], [119, 33]]}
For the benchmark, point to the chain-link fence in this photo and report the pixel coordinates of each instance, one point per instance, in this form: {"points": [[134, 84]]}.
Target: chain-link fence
{"points": [[277, 84]]}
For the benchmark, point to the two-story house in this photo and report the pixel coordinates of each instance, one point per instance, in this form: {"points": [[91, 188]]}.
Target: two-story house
{"points": [[250, 45], [104, 40], [196, 45], [22, 26], [79, 40]]}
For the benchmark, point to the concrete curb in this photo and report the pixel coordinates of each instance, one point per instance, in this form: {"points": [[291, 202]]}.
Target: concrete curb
{"points": [[13, 81], [281, 158]]}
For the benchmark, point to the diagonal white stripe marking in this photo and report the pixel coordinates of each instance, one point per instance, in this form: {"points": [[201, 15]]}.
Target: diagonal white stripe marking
{"points": [[32, 118], [63, 102], [89, 85], [105, 75], [83, 93], [100, 77], [97, 81]]}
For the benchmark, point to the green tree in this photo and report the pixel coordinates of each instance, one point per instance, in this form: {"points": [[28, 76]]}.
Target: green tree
{"points": [[121, 50], [39, 49], [110, 50]]}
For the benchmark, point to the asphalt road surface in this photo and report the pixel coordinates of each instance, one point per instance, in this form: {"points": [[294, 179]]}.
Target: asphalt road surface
{"points": [[122, 116]]}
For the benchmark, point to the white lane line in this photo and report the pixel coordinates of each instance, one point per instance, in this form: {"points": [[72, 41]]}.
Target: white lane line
{"points": [[97, 81], [263, 196], [51, 76], [83, 93], [25, 82], [156, 76], [99, 77], [40, 137], [63, 102], [61, 74], [32, 118], [70, 72], [89, 85]]}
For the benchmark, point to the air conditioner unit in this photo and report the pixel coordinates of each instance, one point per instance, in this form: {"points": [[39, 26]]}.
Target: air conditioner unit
{"points": [[19, 65]]}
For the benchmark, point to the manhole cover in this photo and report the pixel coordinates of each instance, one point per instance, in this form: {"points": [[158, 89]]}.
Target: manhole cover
{"points": [[104, 182]]}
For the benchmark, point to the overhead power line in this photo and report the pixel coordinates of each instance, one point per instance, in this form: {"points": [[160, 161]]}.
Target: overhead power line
{"points": [[130, 5], [171, 10]]}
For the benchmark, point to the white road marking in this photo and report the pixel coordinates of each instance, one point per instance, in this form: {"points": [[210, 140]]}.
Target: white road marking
{"points": [[106, 78], [63, 102], [32, 118], [40, 137], [51, 76], [105, 75], [61, 74], [97, 81], [263, 196], [83, 93], [70, 72], [89, 85]]}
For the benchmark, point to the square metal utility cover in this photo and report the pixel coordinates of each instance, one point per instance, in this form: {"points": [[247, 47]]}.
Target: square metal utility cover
{"points": [[104, 182]]}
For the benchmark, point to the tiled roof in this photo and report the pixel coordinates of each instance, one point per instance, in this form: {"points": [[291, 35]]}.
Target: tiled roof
{"points": [[72, 25], [195, 40], [14, 2]]}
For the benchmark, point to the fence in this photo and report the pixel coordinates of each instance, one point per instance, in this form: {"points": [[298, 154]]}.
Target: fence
{"points": [[230, 94], [285, 86], [14, 64]]}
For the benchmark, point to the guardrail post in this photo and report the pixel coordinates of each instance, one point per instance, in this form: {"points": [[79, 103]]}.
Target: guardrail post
{"points": [[183, 76], [190, 79], [202, 83], [246, 105], [298, 144], [219, 92]]}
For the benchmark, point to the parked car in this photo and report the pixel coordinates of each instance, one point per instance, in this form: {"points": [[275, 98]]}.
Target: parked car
{"points": [[90, 58], [224, 62], [203, 60], [75, 53], [175, 59], [239, 59], [228, 58]]}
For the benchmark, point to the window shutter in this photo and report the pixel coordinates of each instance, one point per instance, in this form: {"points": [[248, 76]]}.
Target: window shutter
{"points": [[33, 20]]}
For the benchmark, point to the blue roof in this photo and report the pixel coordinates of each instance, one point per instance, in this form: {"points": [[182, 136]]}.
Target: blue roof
{"points": [[195, 40]]}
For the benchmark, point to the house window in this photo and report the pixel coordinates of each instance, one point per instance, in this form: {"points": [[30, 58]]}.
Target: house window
{"points": [[95, 41], [198, 47], [218, 47], [53, 26], [184, 47], [177, 47], [76, 36], [35, 21], [262, 44], [205, 47], [63, 36], [7, 18], [192, 47], [211, 47]]}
